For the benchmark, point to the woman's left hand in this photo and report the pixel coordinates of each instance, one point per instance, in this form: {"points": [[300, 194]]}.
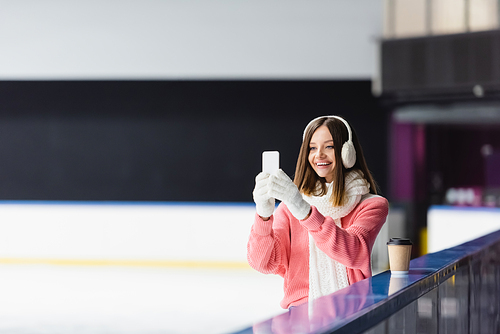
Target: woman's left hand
{"points": [[282, 188]]}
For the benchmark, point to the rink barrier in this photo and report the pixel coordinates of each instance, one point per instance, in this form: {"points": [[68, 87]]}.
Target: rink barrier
{"points": [[122, 233], [139, 234], [455, 290]]}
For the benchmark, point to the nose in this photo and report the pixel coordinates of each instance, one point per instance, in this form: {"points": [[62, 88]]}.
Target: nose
{"points": [[321, 152]]}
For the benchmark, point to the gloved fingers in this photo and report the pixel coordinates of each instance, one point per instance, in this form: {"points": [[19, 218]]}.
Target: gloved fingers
{"points": [[261, 176], [279, 194], [281, 182], [264, 202], [280, 173], [263, 183], [261, 194], [281, 178], [272, 191], [275, 186]]}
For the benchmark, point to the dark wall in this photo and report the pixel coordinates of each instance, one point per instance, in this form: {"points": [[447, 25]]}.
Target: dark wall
{"points": [[166, 140]]}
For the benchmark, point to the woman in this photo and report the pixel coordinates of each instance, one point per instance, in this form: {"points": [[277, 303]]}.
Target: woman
{"points": [[321, 236]]}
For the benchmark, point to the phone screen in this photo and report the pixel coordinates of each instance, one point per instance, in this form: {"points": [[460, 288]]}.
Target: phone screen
{"points": [[270, 161]]}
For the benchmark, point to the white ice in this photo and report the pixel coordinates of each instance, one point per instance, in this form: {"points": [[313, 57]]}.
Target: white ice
{"points": [[105, 299]]}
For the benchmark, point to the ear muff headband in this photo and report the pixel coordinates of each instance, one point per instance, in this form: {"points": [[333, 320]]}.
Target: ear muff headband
{"points": [[348, 150]]}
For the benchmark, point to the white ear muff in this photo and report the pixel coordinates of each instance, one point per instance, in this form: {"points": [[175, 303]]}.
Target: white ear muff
{"points": [[348, 154], [348, 151]]}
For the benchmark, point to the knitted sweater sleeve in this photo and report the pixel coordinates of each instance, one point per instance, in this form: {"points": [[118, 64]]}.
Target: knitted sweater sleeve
{"points": [[351, 246], [269, 244]]}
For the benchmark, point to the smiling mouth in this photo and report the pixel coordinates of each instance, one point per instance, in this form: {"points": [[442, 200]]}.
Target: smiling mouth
{"points": [[323, 164]]}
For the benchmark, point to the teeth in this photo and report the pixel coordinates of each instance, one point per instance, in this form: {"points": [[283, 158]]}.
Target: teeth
{"points": [[322, 163]]}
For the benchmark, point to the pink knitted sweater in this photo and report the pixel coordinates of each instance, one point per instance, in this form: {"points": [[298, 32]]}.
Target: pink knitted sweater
{"points": [[281, 244]]}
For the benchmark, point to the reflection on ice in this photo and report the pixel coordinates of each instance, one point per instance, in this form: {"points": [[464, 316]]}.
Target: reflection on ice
{"points": [[79, 299]]}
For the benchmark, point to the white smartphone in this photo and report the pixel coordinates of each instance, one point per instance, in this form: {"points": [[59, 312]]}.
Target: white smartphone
{"points": [[270, 161]]}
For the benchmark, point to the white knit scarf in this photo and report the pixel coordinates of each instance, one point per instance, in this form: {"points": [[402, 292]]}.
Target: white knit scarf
{"points": [[325, 274]]}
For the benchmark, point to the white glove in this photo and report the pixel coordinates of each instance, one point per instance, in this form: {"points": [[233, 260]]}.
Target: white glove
{"points": [[264, 203], [282, 188]]}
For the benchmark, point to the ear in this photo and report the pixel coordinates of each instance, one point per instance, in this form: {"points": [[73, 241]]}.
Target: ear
{"points": [[348, 154]]}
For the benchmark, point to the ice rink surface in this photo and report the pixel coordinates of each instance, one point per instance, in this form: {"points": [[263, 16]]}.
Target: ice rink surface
{"points": [[112, 299]]}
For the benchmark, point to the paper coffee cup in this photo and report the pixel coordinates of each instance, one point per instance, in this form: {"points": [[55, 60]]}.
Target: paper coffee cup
{"points": [[399, 255]]}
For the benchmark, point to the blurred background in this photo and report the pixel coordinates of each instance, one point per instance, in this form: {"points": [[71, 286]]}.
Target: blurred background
{"points": [[131, 132]]}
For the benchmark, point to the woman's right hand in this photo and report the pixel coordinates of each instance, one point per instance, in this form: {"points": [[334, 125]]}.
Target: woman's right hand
{"points": [[264, 203]]}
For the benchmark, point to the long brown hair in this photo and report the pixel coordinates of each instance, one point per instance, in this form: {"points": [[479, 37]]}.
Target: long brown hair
{"points": [[306, 178]]}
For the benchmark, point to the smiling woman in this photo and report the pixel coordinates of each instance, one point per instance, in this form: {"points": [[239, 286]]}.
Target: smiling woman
{"points": [[321, 236], [322, 153], [315, 155]]}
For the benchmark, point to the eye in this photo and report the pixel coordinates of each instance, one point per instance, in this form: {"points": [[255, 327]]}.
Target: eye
{"points": [[312, 148], [330, 147]]}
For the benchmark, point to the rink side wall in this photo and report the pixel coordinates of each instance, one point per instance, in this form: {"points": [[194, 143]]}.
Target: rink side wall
{"points": [[100, 233], [166, 234]]}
